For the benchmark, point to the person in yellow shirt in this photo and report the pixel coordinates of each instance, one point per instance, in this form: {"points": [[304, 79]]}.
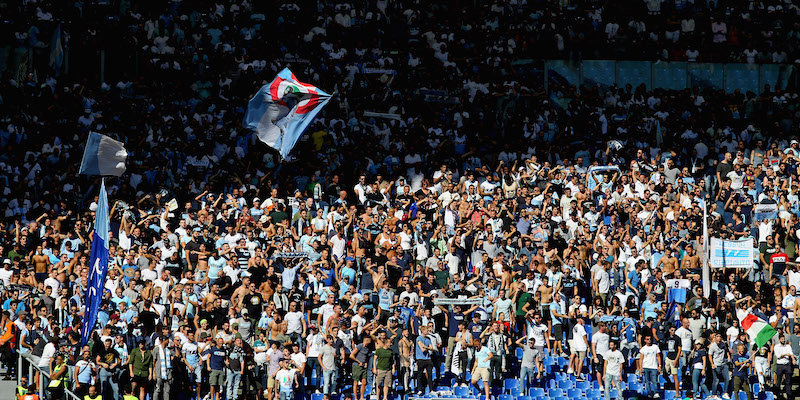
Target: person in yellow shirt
{"points": [[93, 395]]}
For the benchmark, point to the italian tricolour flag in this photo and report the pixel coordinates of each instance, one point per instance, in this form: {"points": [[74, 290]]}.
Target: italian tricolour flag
{"points": [[759, 330]]}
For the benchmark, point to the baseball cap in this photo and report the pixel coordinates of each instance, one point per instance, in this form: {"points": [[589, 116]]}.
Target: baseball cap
{"points": [[314, 326]]}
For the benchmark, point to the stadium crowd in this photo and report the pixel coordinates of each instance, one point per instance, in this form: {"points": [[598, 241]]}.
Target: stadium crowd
{"points": [[553, 239]]}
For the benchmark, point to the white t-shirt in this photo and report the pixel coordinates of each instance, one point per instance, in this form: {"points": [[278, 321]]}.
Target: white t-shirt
{"points": [[686, 338], [537, 333], [601, 340], [578, 335], [650, 356], [285, 378], [294, 322], [614, 360]]}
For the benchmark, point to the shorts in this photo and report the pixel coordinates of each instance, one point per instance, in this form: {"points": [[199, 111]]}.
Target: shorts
{"points": [[359, 372], [271, 382], [782, 280], [384, 378], [140, 381], [539, 352], [216, 378], [671, 366], [598, 366], [545, 314], [481, 374], [558, 332]]}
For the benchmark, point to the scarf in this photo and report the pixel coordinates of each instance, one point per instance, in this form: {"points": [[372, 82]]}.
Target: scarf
{"points": [[165, 361]]}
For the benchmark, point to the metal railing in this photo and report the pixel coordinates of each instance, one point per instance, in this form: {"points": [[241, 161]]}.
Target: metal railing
{"points": [[32, 366]]}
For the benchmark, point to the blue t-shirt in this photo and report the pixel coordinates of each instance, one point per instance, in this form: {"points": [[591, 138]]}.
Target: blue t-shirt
{"points": [[216, 358], [419, 353], [635, 279], [481, 357]]}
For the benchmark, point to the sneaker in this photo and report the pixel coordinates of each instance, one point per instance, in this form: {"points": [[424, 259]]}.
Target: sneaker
{"points": [[726, 396], [570, 370], [656, 396]]}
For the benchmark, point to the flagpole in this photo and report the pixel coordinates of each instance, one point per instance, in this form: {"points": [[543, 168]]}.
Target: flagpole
{"points": [[706, 267]]}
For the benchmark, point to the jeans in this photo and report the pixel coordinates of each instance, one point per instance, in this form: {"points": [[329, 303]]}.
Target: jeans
{"points": [[616, 381], [697, 384], [312, 364], [286, 394], [107, 384], [650, 378], [721, 371], [526, 375], [234, 378], [162, 391], [329, 380]]}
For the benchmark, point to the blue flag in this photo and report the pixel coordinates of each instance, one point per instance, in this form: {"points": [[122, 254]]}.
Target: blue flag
{"points": [[282, 110], [103, 156], [98, 261], [56, 50]]}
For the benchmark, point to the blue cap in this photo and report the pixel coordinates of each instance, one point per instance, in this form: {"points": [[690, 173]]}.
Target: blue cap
{"points": [[349, 259]]}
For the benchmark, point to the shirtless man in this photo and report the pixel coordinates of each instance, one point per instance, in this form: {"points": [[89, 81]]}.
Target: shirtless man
{"points": [[668, 263], [544, 306], [406, 350], [41, 262], [691, 260]]}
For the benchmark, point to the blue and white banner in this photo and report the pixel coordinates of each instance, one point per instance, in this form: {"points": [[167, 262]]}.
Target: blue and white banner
{"points": [[765, 211], [731, 253], [98, 261], [103, 156], [604, 168]]}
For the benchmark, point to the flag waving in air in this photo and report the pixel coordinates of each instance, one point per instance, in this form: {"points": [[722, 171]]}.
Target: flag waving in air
{"points": [[759, 330], [98, 261], [282, 110], [103, 156]]}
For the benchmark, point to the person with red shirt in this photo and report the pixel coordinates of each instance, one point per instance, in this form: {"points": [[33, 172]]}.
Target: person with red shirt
{"points": [[777, 267]]}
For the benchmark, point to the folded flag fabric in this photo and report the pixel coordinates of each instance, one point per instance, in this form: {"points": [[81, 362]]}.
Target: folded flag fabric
{"points": [[758, 329], [103, 156], [282, 110]]}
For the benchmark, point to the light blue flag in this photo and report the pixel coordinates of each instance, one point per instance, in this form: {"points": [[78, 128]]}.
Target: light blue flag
{"points": [[103, 156], [98, 261], [281, 111], [56, 50]]}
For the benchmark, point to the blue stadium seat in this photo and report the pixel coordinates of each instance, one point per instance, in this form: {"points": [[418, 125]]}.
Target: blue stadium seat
{"points": [[636, 387], [769, 396], [575, 393], [461, 391], [536, 393], [505, 397], [443, 388], [509, 384], [565, 384], [583, 385], [756, 389], [633, 378], [518, 352], [669, 394], [526, 398], [556, 392], [316, 396], [496, 391], [593, 393], [614, 394], [562, 362]]}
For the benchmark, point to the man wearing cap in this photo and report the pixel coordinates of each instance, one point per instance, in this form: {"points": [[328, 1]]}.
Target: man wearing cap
{"points": [[236, 363]]}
